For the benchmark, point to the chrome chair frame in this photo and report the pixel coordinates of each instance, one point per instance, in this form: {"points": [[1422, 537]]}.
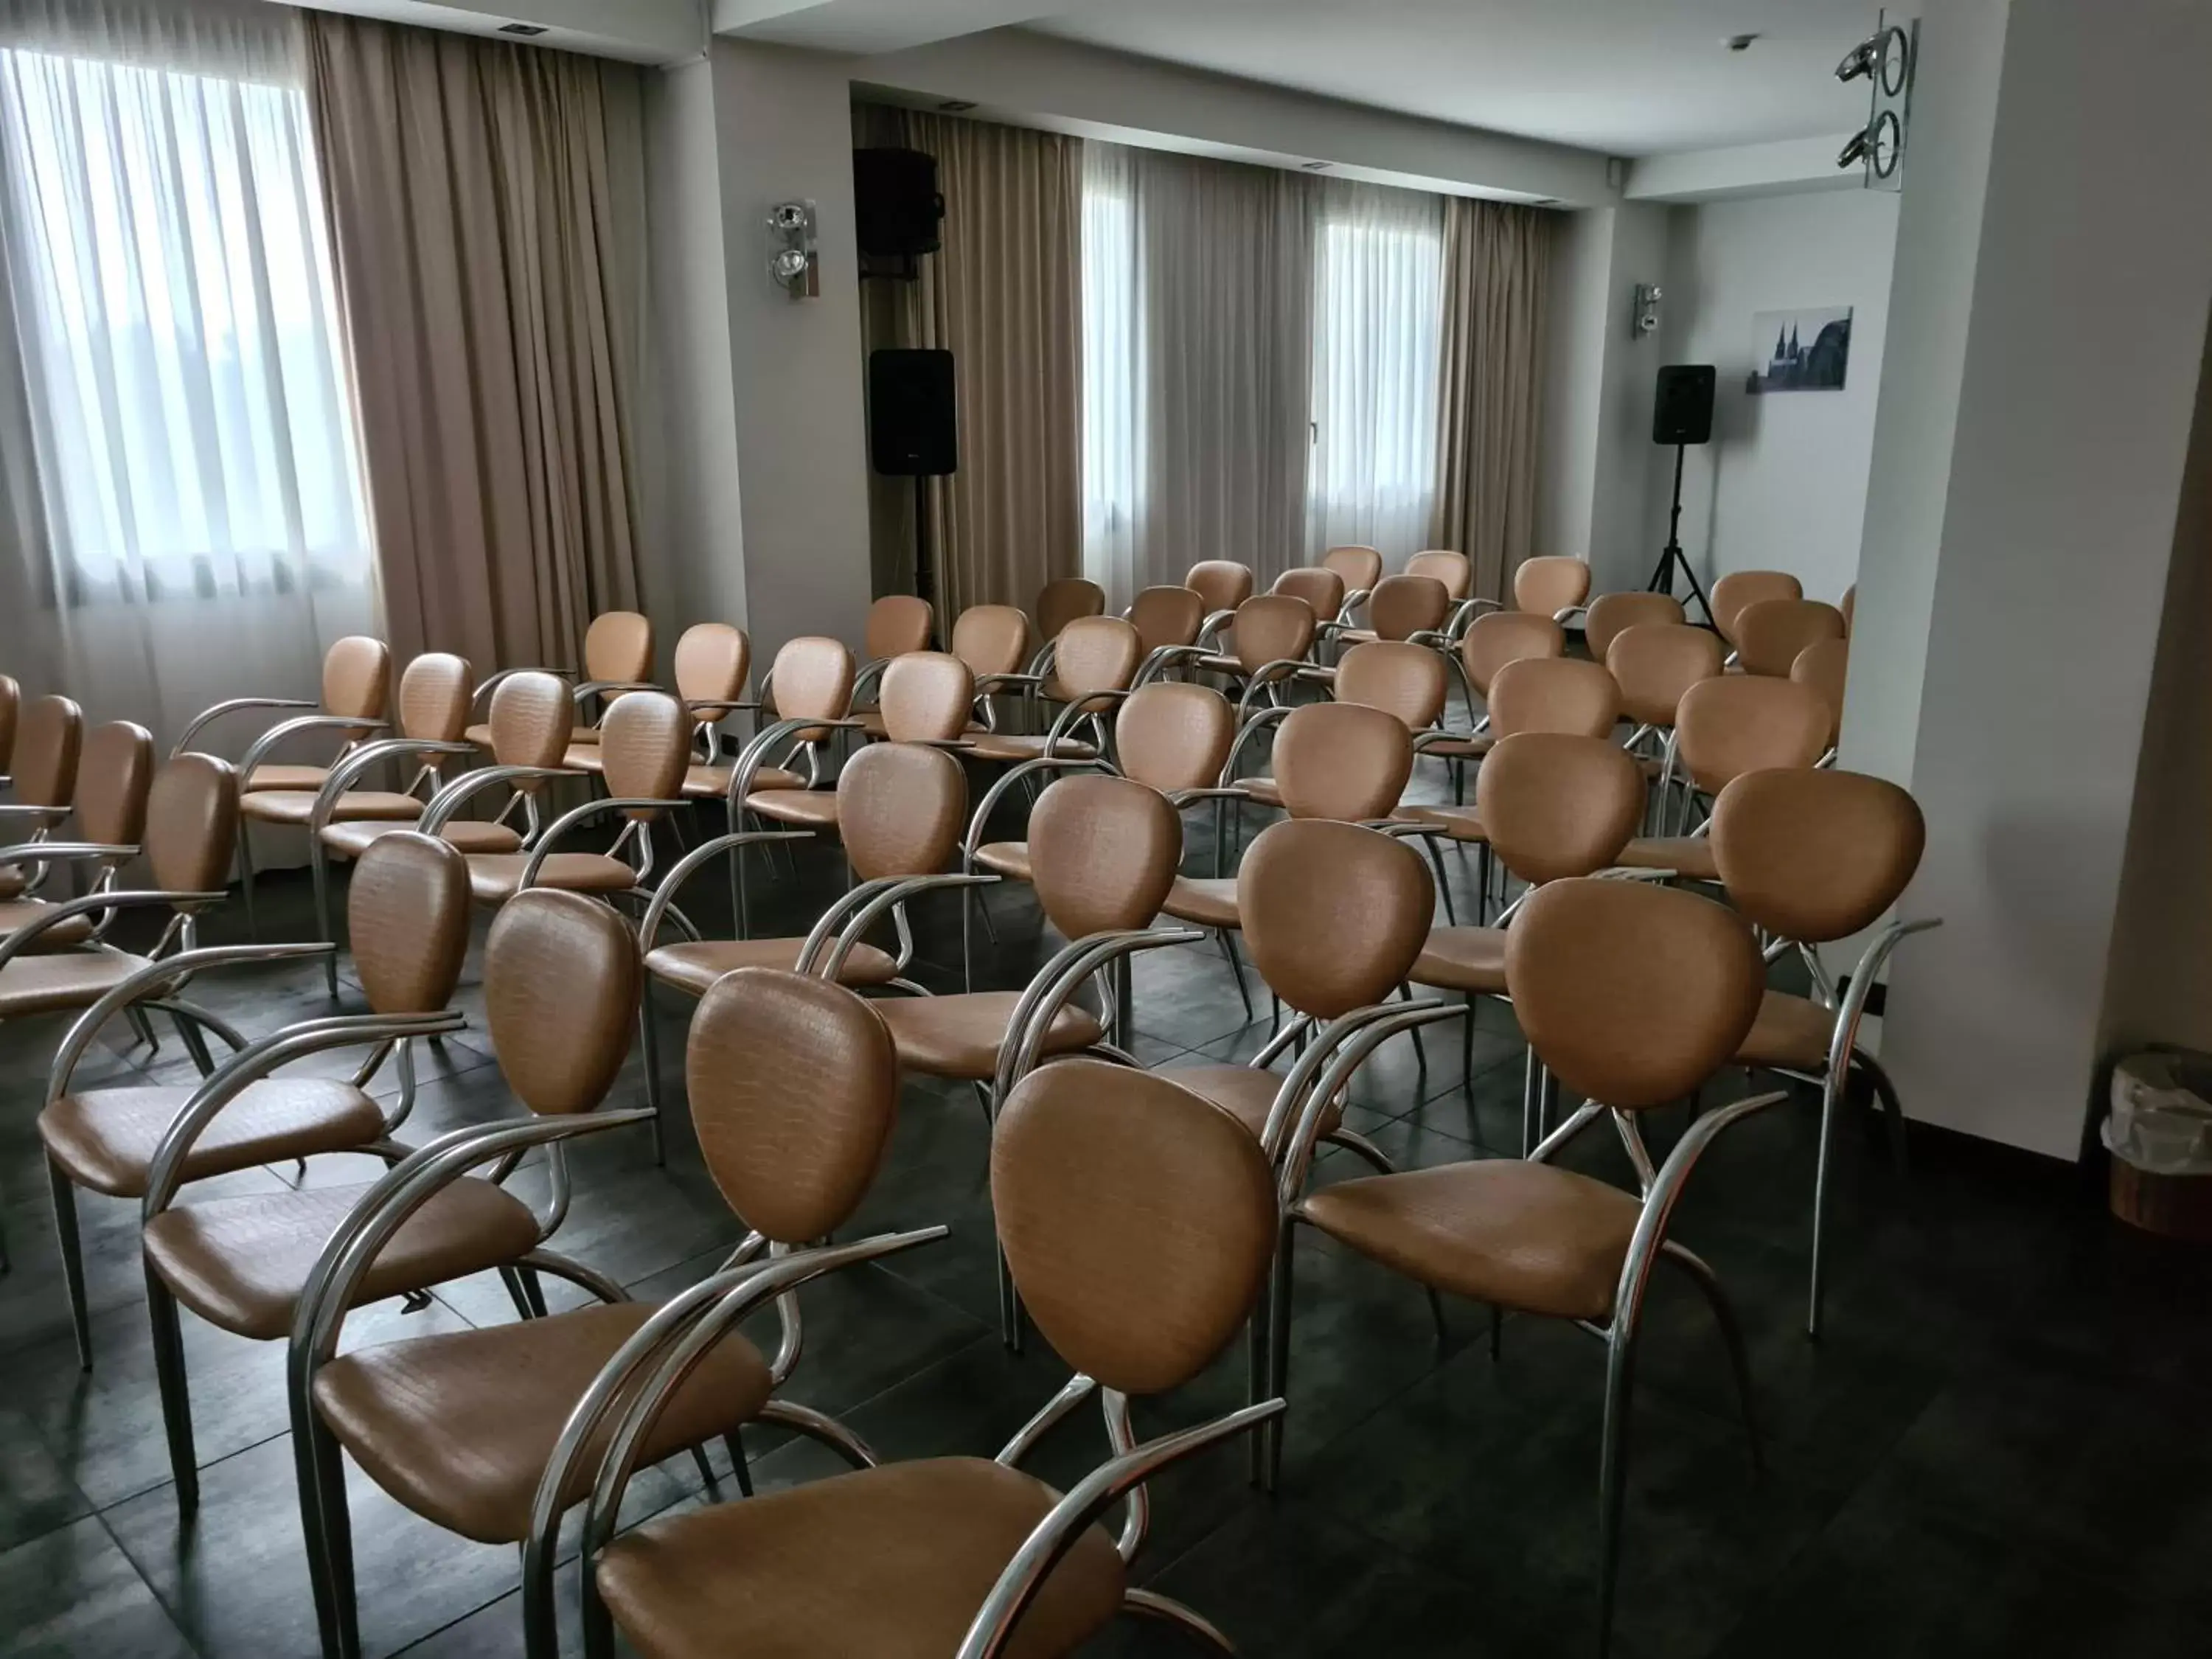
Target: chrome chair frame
{"points": [[282, 732]]}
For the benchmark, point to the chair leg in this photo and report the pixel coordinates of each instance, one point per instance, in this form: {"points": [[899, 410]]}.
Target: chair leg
{"points": [[1482, 888], [72, 1244], [1236, 969], [1731, 1335], [1466, 1055], [327, 1524], [176, 1391], [733, 1446], [649, 1052], [195, 1044], [1613, 1468], [1531, 1086], [1150, 1604], [1444, 882], [1892, 1108], [1421, 1049], [320, 866], [1831, 1091], [1279, 1358], [246, 877], [144, 1028]]}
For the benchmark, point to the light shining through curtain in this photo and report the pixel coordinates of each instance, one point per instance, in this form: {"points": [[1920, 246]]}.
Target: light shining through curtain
{"points": [[171, 278], [1113, 376], [1377, 326]]}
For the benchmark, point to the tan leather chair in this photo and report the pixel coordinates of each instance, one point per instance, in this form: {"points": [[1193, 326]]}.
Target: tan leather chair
{"points": [[1413, 606], [1826, 665], [899, 808], [459, 1427], [1491, 641], [1554, 587], [1738, 588], [47, 746], [712, 664], [1317, 584], [1634, 995], [1168, 616], [1655, 664], [357, 688], [1360, 568], [1611, 615], [114, 770], [239, 1262], [1453, 570], [1094, 663], [617, 658], [1815, 858], [1395, 675], [1269, 635], [1526, 694], [993, 641], [812, 684], [1223, 584], [1065, 600], [928, 697], [1137, 1220], [1724, 728], [898, 625], [1771, 634]]}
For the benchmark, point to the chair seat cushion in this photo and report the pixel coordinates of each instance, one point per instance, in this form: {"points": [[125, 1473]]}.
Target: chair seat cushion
{"points": [[713, 782], [959, 1037], [241, 1262], [1690, 857], [306, 778], [1264, 791], [810, 809], [479, 735], [13, 881], [888, 1563], [469, 834], [1357, 637], [495, 877], [1790, 1032], [461, 1427], [582, 757], [1464, 959], [1245, 1093], [105, 1139], [1010, 859], [695, 966], [67, 979], [1517, 1235], [1209, 900], [872, 723], [1459, 823], [298, 805], [1472, 748], [1020, 746], [17, 915]]}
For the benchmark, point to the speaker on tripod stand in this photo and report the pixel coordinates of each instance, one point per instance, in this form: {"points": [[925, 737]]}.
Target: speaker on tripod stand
{"points": [[1681, 414]]}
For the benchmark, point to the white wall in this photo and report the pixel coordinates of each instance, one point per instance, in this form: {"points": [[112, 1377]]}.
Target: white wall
{"points": [[1625, 539], [1783, 484], [1574, 379]]}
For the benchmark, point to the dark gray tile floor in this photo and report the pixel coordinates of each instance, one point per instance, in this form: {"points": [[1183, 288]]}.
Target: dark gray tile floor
{"points": [[1997, 1449]]}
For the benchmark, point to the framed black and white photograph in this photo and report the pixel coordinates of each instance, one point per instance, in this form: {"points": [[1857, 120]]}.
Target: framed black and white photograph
{"points": [[1805, 350]]}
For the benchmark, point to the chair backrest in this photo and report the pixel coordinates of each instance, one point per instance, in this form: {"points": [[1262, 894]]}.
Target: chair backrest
{"points": [[48, 746], [11, 703], [1138, 1220], [561, 978], [812, 678], [1272, 628], [1098, 653], [1405, 680], [1317, 584], [794, 1093], [1771, 634], [619, 645], [1549, 585], [1816, 856], [1453, 569], [1633, 994], [1655, 662], [1849, 607], [645, 749], [1222, 584], [1553, 693], [191, 824], [712, 662], [1342, 760], [1826, 665], [1742, 587], [113, 779], [1103, 851], [407, 915], [901, 807], [1503, 636], [1558, 805], [1361, 568], [992, 639], [1171, 737], [928, 697], [1062, 601], [1612, 614], [1737, 723], [897, 623], [1334, 915], [357, 677], [533, 718], [434, 698], [1168, 615], [1408, 604]]}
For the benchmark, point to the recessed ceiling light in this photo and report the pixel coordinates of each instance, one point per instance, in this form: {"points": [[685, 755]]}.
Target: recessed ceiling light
{"points": [[1316, 167], [1738, 42], [527, 31], [958, 106]]}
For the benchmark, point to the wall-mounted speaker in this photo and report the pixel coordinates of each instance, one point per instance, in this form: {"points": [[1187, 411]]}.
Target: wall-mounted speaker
{"points": [[1682, 412], [895, 208], [913, 430]]}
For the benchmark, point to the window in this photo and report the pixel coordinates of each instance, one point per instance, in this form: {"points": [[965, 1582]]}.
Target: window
{"points": [[1113, 376], [171, 279]]}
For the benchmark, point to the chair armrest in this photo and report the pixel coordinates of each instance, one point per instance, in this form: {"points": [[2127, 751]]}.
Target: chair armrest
{"points": [[165, 1174], [14, 945], [1182, 797], [1077, 712], [1057, 982], [897, 891], [63, 852], [601, 688], [287, 730], [1246, 730], [584, 814], [1212, 625], [721, 706], [754, 755], [1026, 1439], [236, 705], [1321, 1073], [1092, 1496], [41, 816], [455, 795], [1852, 1008], [1007, 781], [1566, 614], [866, 679], [349, 766], [664, 895]]}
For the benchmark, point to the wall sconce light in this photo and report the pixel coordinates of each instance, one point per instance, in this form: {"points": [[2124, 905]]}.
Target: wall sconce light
{"points": [[1643, 318], [1886, 60], [794, 265]]}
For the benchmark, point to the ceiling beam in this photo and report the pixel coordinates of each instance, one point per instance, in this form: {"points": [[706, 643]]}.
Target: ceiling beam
{"points": [[637, 31], [865, 26], [1787, 168]]}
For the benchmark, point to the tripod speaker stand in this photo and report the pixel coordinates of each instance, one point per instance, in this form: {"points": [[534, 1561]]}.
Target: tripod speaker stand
{"points": [[1681, 413], [1670, 557]]}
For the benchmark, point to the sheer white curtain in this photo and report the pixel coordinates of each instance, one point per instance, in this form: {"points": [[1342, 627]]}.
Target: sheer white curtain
{"points": [[174, 414], [1377, 322], [1114, 378]]}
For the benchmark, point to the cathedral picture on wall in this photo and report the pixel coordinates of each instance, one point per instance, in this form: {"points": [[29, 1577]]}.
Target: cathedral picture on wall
{"points": [[1801, 350]]}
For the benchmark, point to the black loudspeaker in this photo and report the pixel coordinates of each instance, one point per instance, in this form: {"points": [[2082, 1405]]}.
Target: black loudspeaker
{"points": [[1682, 413], [913, 432], [896, 208]]}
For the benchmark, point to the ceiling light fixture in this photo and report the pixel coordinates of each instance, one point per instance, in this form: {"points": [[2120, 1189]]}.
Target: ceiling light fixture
{"points": [[1738, 42], [527, 31], [958, 106], [1316, 167], [1853, 153], [1884, 61]]}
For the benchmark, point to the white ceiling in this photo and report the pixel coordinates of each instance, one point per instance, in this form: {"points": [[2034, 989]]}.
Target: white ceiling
{"points": [[1630, 77]]}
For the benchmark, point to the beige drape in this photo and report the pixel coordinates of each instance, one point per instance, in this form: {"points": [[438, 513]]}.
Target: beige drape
{"points": [[1497, 264], [485, 209], [1003, 297]]}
